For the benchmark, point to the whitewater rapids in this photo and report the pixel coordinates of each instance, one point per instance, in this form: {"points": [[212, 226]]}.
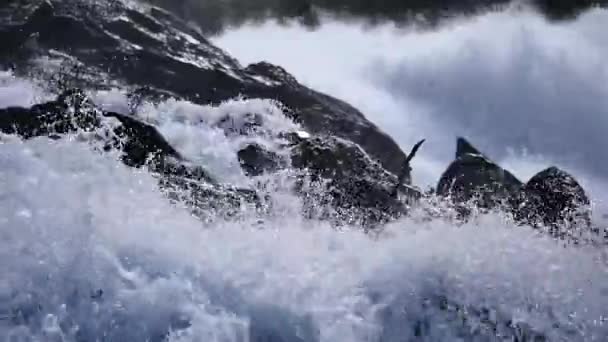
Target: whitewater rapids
{"points": [[91, 250]]}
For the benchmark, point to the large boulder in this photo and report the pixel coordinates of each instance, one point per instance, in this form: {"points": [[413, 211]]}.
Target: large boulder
{"points": [[554, 199], [336, 177], [99, 44], [343, 183], [474, 177]]}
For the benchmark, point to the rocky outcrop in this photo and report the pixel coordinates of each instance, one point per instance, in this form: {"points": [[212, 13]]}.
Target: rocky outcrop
{"points": [[358, 172], [338, 180], [474, 177], [551, 199], [95, 45], [325, 115], [107, 43]]}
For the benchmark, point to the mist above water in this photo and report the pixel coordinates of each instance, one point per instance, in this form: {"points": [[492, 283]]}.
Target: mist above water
{"points": [[527, 92]]}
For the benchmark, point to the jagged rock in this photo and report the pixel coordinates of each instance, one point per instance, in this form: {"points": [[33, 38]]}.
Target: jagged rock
{"points": [[255, 160], [404, 176], [347, 180], [474, 176], [553, 198], [102, 44], [147, 47], [325, 115], [141, 141]]}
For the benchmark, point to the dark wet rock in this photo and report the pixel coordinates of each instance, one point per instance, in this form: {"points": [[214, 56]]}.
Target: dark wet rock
{"points": [[553, 198], [192, 186], [151, 48], [73, 112], [256, 160], [293, 138], [141, 141], [336, 178], [472, 176], [141, 144], [325, 115], [345, 179], [99, 45]]}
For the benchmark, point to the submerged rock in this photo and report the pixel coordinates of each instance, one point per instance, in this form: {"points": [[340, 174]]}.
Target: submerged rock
{"points": [[336, 177], [96, 45], [551, 199], [472, 176]]}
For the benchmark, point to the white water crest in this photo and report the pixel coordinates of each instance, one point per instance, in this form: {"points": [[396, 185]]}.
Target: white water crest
{"points": [[91, 250]]}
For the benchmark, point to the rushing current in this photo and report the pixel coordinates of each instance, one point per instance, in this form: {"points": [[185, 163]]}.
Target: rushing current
{"points": [[97, 252]]}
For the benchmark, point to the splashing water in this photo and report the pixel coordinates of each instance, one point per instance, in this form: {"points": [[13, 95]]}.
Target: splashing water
{"points": [[200, 132], [91, 250], [506, 80]]}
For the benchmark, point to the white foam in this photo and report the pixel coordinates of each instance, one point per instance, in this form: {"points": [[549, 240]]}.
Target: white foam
{"points": [[197, 132], [15, 91], [74, 222]]}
